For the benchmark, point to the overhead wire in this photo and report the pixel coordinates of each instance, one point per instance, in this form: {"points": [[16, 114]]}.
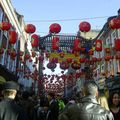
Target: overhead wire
{"points": [[60, 20]]}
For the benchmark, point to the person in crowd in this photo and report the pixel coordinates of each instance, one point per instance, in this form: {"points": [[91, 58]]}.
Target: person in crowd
{"points": [[88, 108], [114, 105], [9, 110], [102, 100], [60, 102], [27, 104], [53, 110]]}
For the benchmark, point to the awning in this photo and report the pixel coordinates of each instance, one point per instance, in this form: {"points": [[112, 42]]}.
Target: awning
{"points": [[2, 80], [7, 74]]}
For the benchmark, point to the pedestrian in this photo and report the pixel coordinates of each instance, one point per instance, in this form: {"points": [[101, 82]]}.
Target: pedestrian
{"points": [[114, 105], [88, 108], [53, 110], [9, 110], [102, 100]]}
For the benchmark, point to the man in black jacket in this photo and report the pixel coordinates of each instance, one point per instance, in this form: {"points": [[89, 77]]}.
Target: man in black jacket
{"points": [[9, 110], [88, 108]]}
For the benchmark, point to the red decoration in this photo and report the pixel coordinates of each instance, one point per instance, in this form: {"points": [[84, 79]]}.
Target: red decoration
{"points": [[29, 28], [27, 56], [5, 26], [98, 45], [114, 23], [107, 58], [1, 51], [41, 58], [35, 40], [55, 43], [55, 28], [69, 60], [77, 46], [33, 54], [64, 65], [117, 44], [84, 27], [91, 52], [12, 37], [107, 50], [75, 65], [51, 65]]}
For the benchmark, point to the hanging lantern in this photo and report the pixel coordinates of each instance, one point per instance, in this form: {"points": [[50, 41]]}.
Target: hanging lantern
{"points": [[33, 54], [84, 27], [82, 60], [107, 58], [117, 44], [41, 58], [62, 54], [107, 50], [13, 54], [34, 40], [27, 56], [51, 65], [55, 43], [30, 28], [47, 55], [5, 25], [69, 60], [55, 28], [98, 45], [77, 46], [64, 65], [12, 37], [91, 52], [114, 23], [75, 65], [1, 51]]}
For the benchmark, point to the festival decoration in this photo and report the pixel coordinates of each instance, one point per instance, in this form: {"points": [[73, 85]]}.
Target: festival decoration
{"points": [[84, 26], [12, 37], [98, 45], [30, 28], [55, 28], [34, 40], [55, 43], [117, 44], [114, 23], [77, 46], [5, 25]]}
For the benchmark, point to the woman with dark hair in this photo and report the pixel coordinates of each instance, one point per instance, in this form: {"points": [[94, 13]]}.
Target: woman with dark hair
{"points": [[114, 105]]}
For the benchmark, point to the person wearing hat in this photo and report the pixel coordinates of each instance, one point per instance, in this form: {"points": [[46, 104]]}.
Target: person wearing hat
{"points": [[9, 110]]}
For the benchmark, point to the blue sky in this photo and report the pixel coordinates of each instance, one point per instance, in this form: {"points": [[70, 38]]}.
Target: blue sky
{"points": [[37, 11]]}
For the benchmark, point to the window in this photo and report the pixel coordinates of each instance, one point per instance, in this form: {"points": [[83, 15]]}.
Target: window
{"points": [[1, 14], [113, 36], [118, 33]]}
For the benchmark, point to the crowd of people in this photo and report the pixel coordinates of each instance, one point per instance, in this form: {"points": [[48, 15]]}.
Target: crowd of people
{"points": [[90, 105]]}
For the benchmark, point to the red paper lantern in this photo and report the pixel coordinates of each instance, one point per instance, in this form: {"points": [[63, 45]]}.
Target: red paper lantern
{"points": [[91, 52], [117, 44], [35, 40], [77, 46], [5, 26], [107, 58], [12, 37], [27, 56], [64, 65], [55, 43], [30, 28], [98, 45], [1, 51], [75, 65], [55, 28], [114, 23], [107, 50], [84, 27], [69, 60]]}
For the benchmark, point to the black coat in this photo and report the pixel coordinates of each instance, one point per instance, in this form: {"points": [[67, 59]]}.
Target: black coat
{"points": [[53, 111], [88, 109], [9, 110]]}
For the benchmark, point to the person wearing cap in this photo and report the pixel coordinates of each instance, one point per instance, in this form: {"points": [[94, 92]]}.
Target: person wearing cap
{"points": [[9, 110]]}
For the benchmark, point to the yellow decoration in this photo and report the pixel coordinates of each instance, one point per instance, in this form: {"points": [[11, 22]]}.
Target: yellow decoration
{"points": [[66, 56]]}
